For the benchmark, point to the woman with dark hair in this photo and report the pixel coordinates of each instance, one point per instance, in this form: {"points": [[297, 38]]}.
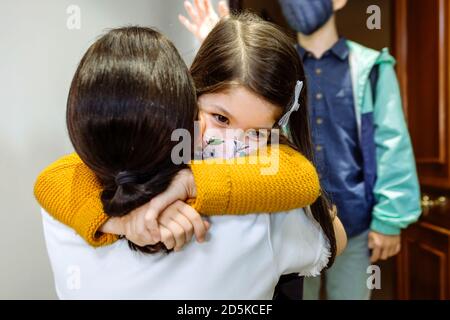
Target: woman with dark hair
{"points": [[130, 92]]}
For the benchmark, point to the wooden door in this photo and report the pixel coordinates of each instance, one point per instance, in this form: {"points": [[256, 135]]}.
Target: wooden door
{"points": [[422, 39]]}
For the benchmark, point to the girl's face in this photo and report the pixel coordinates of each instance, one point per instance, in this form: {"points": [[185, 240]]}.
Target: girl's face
{"points": [[237, 109]]}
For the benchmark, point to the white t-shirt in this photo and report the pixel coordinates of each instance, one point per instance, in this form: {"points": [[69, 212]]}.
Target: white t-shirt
{"points": [[243, 258]]}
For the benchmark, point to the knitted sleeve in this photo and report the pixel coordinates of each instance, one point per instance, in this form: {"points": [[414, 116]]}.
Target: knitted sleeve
{"points": [[70, 192], [280, 181]]}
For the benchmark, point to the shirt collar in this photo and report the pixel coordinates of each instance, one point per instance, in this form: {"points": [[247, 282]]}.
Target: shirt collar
{"points": [[339, 49]]}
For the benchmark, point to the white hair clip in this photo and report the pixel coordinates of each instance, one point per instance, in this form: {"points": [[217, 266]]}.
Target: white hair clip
{"points": [[295, 106]]}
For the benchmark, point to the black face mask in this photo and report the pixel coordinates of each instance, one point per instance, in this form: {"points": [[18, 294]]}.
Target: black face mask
{"points": [[307, 16]]}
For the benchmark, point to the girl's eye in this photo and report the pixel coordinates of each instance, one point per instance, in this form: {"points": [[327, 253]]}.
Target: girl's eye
{"points": [[222, 119]]}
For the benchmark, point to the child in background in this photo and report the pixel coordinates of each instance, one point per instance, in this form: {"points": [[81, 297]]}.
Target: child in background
{"points": [[362, 146]]}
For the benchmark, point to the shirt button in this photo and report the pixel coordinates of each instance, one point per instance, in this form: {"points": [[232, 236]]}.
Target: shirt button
{"points": [[319, 96], [319, 120], [319, 148], [318, 71]]}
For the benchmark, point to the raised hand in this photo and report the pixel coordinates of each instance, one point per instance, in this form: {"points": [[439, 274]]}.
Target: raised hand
{"points": [[203, 17]]}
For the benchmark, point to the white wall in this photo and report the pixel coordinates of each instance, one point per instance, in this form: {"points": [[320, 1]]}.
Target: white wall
{"points": [[38, 56]]}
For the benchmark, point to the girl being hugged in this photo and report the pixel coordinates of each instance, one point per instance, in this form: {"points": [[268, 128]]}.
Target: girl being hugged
{"points": [[248, 76]]}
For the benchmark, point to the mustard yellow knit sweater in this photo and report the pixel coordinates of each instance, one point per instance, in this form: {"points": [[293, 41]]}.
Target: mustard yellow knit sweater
{"points": [[70, 191]]}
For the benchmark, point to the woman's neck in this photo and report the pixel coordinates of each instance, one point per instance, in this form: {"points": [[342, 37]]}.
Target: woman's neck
{"points": [[320, 41]]}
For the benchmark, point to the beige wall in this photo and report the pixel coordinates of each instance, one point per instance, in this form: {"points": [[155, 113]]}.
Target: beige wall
{"points": [[38, 58]]}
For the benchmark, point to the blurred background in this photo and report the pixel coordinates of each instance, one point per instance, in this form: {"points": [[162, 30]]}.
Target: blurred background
{"points": [[39, 55]]}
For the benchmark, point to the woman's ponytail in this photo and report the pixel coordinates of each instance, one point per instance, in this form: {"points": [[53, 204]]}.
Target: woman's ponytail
{"points": [[129, 190]]}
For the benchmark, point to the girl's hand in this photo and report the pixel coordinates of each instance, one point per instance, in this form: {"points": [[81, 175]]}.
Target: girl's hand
{"points": [[133, 227], [183, 222], [181, 188], [141, 225], [203, 17], [177, 224]]}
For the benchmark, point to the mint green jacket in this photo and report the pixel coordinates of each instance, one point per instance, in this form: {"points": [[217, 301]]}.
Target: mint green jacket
{"points": [[389, 165]]}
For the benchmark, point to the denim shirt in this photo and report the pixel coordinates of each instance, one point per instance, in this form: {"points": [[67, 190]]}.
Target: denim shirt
{"points": [[335, 135]]}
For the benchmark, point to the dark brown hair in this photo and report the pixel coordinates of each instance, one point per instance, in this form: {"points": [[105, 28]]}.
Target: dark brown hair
{"points": [[247, 50], [130, 92]]}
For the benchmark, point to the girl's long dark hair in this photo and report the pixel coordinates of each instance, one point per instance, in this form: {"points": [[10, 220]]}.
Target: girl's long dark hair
{"points": [[247, 50], [130, 92]]}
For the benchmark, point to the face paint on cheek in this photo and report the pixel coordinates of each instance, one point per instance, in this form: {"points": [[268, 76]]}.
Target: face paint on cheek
{"points": [[218, 147], [221, 146]]}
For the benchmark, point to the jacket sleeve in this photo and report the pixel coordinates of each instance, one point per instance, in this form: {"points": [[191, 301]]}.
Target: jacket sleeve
{"points": [[396, 191], [70, 192]]}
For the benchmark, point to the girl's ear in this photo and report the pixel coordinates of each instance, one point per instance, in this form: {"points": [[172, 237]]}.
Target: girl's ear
{"points": [[339, 4]]}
